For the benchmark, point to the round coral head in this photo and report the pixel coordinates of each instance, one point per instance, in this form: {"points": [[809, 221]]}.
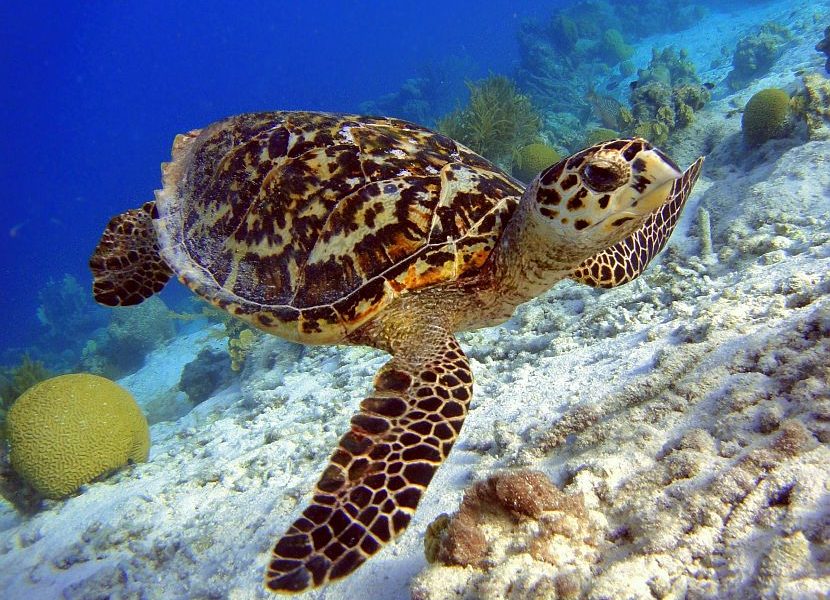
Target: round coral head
{"points": [[69, 430]]}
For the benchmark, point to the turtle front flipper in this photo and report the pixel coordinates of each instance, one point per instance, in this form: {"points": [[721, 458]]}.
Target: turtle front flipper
{"points": [[126, 265], [377, 475], [627, 259]]}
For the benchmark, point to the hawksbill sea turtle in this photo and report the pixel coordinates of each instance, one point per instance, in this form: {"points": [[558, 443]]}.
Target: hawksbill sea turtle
{"points": [[340, 229]]}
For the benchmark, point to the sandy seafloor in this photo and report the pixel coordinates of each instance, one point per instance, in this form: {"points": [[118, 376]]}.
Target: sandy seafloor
{"points": [[691, 410]]}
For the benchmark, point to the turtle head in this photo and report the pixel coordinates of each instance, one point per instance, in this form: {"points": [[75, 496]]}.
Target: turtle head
{"points": [[599, 196]]}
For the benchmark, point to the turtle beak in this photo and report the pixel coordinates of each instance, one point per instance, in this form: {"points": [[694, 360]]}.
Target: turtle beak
{"points": [[640, 207], [675, 189], [654, 199]]}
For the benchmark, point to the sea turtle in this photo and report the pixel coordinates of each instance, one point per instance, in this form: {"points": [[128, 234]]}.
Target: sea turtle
{"points": [[341, 229]]}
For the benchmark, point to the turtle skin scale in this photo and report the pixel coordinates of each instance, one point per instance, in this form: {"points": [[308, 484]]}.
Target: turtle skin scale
{"points": [[325, 228]]}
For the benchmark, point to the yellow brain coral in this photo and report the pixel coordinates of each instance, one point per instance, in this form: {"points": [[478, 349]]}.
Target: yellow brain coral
{"points": [[68, 430], [532, 159], [765, 116]]}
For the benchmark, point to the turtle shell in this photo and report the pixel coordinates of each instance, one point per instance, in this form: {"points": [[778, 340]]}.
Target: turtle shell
{"points": [[308, 224]]}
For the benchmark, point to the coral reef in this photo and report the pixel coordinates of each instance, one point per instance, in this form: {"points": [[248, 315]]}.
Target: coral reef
{"points": [[133, 332], [663, 16], [627, 68], [66, 431], [16, 380], [577, 28], [562, 31], [558, 57], [612, 114], [612, 47], [497, 121], [566, 129], [589, 31], [423, 99], [69, 317], [811, 103], [532, 159], [670, 66], [595, 389], [765, 116], [824, 47], [685, 415], [665, 96], [210, 371], [756, 53]]}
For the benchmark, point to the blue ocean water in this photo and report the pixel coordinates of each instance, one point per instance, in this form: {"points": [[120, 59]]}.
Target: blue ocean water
{"points": [[93, 94], [92, 97]]}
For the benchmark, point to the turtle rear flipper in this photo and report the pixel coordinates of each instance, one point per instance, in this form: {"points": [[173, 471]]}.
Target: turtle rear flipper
{"points": [[376, 477], [126, 265], [627, 259]]}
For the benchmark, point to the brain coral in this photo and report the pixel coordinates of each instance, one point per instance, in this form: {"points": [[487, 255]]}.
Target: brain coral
{"points": [[532, 159], [765, 116], [68, 430]]}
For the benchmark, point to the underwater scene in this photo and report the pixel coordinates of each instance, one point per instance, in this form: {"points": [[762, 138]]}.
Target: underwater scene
{"points": [[415, 301]]}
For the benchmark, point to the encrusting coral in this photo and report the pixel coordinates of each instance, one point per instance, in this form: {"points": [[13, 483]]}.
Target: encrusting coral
{"points": [[559, 536], [239, 346], [811, 103], [66, 431]]}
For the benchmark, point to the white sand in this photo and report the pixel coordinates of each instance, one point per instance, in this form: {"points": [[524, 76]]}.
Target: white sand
{"points": [[600, 390]]}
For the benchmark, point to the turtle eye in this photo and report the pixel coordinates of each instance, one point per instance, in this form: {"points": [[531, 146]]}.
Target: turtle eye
{"points": [[602, 178]]}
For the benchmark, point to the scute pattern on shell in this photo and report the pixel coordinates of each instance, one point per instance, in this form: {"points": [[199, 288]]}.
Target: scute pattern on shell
{"points": [[321, 219]]}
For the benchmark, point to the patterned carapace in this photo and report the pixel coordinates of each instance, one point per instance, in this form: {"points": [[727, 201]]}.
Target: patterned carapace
{"points": [[319, 220], [327, 228]]}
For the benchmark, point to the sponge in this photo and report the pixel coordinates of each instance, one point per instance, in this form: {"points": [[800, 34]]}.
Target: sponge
{"points": [[69, 430]]}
